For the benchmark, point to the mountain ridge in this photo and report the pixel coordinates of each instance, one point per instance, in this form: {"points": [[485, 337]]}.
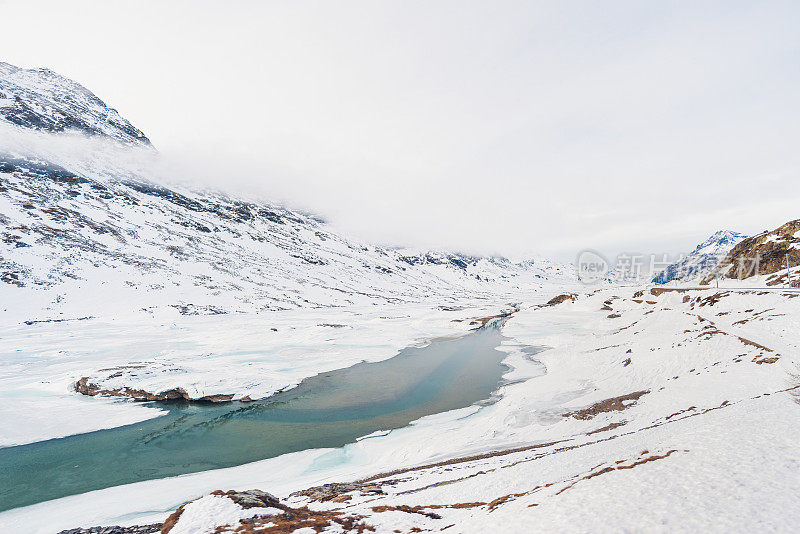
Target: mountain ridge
{"points": [[763, 254], [702, 260]]}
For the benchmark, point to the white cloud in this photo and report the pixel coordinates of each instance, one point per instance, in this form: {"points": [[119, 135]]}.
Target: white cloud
{"points": [[509, 127]]}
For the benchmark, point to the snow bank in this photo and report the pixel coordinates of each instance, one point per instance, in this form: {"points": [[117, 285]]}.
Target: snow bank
{"points": [[711, 445]]}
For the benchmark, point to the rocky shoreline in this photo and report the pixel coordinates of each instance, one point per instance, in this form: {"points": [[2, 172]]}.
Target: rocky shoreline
{"points": [[85, 387]]}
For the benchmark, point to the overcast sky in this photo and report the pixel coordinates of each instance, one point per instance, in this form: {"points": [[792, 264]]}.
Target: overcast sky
{"points": [[493, 127]]}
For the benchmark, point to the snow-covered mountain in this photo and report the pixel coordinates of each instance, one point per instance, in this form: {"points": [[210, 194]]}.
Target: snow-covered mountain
{"points": [[702, 260], [42, 100], [82, 234], [763, 255]]}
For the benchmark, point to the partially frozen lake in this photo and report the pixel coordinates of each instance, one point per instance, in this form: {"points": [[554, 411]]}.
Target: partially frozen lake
{"points": [[327, 410]]}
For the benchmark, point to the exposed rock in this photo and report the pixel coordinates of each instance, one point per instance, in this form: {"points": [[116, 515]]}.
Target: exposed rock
{"points": [[762, 254], [562, 298], [253, 498], [330, 492], [85, 387]]}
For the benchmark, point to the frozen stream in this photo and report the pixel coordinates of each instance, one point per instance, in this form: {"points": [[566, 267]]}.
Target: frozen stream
{"points": [[327, 410]]}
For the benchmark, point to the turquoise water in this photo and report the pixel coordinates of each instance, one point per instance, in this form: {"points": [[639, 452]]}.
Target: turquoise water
{"points": [[327, 410]]}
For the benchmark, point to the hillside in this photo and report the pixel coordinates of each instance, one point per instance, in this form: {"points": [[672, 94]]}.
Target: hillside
{"points": [[672, 413], [702, 260], [765, 256]]}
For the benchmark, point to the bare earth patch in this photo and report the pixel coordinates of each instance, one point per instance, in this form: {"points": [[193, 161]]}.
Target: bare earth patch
{"points": [[613, 404], [289, 520]]}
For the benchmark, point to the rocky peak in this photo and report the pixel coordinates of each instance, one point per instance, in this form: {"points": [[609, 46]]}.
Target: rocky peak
{"points": [[40, 99], [721, 238], [702, 260], [763, 254]]}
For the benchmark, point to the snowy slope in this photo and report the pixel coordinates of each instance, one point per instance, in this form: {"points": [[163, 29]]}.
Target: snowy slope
{"points": [[74, 245], [702, 260], [675, 413]]}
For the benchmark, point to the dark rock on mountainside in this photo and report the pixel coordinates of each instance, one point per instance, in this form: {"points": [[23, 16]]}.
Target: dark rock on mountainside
{"points": [[763, 254], [39, 169]]}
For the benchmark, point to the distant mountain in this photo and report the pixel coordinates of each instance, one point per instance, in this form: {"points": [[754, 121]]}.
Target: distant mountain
{"points": [[763, 255], [40, 99], [81, 236], [702, 260]]}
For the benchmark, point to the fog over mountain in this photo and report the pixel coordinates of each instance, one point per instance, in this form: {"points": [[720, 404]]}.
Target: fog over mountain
{"points": [[516, 129]]}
